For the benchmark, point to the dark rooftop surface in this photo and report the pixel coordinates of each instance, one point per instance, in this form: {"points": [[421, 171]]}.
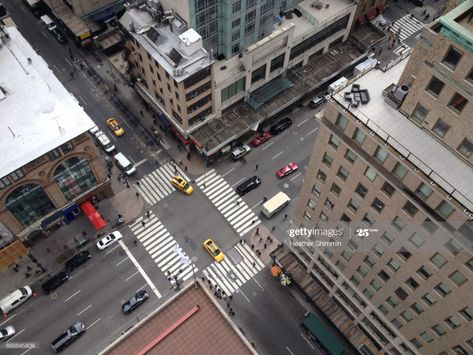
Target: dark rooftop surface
{"points": [[191, 324]]}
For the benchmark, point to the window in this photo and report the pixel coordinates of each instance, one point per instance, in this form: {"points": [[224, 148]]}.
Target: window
{"points": [[352, 245], [307, 216], [442, 289], [417, 308], [424, 272], [394, 265], [54, 154], [417, 240], [355, 280], [410, 209], [393, 301], [452, 58], [327, 160], [444, 209], [419, 114], [452, 322], [383, 309], [321, 176], [397, 323], [277, 63], [387, 238], [368, 219], [335, 189], [350, 156], [4, 182], [342, 173], [340, 265], [439, 330], [341, 121], [375, 284], [361, 190], [346, 255], [400, 171], [377, 205], [236, 22], [416, 343], [398, 223], [378, 250], [426, 337], [407, 316], [334, 141], [470, 76], [362, 271], [384, 276], [404, 253], [367, 293], [470, 343], [66, 148], [453, 247], [440, 128], [353, 206], [412, 283], [457, 278], [258, 74], [316, 191], [458, 349], [329, 204], [438, 260], [18, 174], [381, 154], [467, 313], [469, 264], [236, 7], [465, 148], [323, 217], [233, 89], [457, 103], [387, 189], [424, 191], [429, 299], [311, 204], [370, 173], [359, 136], [369, 261], [435, 86], [235, 36], [429, 225]]}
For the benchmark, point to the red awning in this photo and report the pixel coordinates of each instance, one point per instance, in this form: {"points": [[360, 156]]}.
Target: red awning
{"points": [[371, 13], [95, 217], [362, 19]]}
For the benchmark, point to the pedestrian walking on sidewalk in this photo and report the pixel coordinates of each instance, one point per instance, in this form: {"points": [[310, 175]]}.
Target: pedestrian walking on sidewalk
{"points": [[265, 199], [265, 246], [135, 241], [252, 246], [230, 297], [137, 195], [138, 183], [285, 216], [256, 167], [272, 229], [72, 75], [257, 231], [148, 213], [261, 239]]}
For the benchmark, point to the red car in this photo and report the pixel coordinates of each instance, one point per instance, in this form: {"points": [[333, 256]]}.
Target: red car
{"points": [[263, 137], [286, 170]]}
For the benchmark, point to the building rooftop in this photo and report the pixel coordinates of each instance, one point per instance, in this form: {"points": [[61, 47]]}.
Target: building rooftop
{"points": [[416, 145], [38, 113], [458, 24], [190, 324], [174, 47]]}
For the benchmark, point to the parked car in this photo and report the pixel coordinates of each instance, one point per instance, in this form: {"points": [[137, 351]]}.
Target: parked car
{"points": [[77, 260], [286, 170], [115, 127], [214, 250], [133, 303], [7, 332], [15, 299], [108, 240], [54, 282], [263, 137], [277, 128], [182, 185], [317, 101], [240, 151], [57, 33], [248, 185], [68, 337]]}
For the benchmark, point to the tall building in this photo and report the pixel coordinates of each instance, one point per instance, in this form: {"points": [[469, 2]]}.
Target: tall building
{"points": [[49, 165], [388, 200]]}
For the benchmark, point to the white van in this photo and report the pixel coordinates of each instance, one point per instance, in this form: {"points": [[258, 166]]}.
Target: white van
{"points": [[15, 299], [124, 164], [275, 204], [48, 22]]}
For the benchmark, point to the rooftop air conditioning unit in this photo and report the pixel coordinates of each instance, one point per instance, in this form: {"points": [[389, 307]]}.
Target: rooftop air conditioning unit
{"points": [[401, 92]]}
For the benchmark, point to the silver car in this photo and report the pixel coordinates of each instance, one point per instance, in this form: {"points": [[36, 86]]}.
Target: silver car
{"points": [[68, 337], [7, 332]]}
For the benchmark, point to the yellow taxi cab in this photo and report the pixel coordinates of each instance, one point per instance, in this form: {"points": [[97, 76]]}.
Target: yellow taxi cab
{"points": [[213, 250], [115, 127], [182, 184]]}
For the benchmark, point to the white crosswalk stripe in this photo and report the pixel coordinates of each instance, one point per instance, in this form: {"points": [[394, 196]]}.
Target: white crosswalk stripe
{"points": [[406, 26], [229, 276], [400, 50], [157, 185], [230, 205], [162, 248]]}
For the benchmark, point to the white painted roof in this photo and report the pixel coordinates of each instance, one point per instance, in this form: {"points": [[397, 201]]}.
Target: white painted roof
{"points": [[419, 147], [38, 114]]}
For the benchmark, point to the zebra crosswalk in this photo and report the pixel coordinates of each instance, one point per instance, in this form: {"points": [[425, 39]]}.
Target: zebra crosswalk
{"points": [[233, 208], [406, 26], [230, 276], [162, 248], [157, 185]]}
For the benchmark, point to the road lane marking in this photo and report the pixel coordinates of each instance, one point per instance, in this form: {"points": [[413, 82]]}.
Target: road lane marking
{"points": [[309, 133], [94, 323], [67, 299], [238, 182], [108, 252], [21, 331], [257, 283], [122, 261], [267, 145], [295, 176], [140, 162], [57, 68], [259, 203], [287, 348], [24, 352], [140, 269], [300, 124], [141, 288], [129, 277], [308, 342], [85, 103], [228, 172], [281, 152], [240, 291], [85, 309], [8, 319]]}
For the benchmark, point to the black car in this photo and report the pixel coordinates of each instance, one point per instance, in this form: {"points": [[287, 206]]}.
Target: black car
{"points": [[248, 185], [54, 282], [77, 260], [58, 35], [137, 300], [68, 337], [280, 126]]}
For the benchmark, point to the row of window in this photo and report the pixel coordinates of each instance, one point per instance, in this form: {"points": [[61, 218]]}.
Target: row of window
{"points": [[11, 178], [457, 103]]}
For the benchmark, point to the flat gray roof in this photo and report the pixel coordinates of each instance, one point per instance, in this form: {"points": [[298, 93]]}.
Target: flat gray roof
{"points": [[38, 113], [436, 161]]}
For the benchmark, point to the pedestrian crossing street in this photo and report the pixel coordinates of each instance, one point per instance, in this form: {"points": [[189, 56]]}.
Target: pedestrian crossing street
{"points": [[233, 208], [162, 248], [157, 185], [406, 26], [229, 276]]}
